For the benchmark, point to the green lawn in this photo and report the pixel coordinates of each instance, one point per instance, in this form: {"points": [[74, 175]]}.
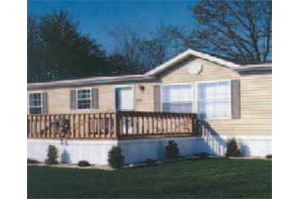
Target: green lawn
{"points": [[211, 178]]}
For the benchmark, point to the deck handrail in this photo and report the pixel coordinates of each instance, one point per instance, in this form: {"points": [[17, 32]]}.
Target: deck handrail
{"points": [[112, 125]]}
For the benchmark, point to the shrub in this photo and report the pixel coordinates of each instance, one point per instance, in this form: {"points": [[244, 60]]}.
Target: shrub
{"points": [[149, 161], [269, 156], [31, 161], [232, 148], [116, 157], [52, 155], [172, 151], [83, 163]]}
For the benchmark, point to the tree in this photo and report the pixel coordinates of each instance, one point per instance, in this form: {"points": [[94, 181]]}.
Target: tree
{"points": [[56, 49], [120, 65], [235, 29], [146, 52]]}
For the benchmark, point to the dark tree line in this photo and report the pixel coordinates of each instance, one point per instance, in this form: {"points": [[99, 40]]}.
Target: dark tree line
{"points": [[57, 50], [239, 30]]}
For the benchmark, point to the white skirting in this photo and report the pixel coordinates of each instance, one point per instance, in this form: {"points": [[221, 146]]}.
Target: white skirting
{"points": [[137, 150], [94, 152]]}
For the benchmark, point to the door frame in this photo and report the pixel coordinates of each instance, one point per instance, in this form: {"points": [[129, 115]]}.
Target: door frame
{"points": [[115, 87]]}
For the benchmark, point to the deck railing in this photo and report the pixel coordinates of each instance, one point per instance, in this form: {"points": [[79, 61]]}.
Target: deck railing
{"points": [[133, 124], [119, 124]]}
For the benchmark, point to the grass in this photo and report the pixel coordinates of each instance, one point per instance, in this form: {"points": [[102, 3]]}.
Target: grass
{"points": [[209, 178]]}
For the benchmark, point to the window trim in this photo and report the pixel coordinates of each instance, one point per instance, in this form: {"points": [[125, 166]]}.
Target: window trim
{"points": [[174, 84], [76, 97], [28, 103], [230, 97]]}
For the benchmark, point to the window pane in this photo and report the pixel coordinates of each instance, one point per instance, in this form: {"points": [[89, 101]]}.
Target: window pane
{"points": [[83, 94], [214, 100], [177, 93], [84, 104], [177, 98], [35, 111], [178, 107]]}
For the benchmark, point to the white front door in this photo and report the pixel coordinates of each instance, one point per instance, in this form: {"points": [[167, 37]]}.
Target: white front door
{"points": [[124, 98]]}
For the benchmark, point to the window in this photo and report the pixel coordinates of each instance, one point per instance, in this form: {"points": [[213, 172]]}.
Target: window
{"points": [[177, 98], [35, 103], [84, 99], [214, 100]]}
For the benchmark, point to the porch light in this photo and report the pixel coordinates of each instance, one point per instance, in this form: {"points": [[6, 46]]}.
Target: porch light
{"points": [[142, 88]]}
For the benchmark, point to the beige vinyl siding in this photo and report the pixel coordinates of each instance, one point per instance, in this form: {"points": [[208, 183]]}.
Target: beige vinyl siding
{"points": [[144, 99], [59, 100], [210, 71], [256, 97]]}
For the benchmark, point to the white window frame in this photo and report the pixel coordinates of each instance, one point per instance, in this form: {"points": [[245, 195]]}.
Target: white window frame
{"points": [[28, 103], [76, 98], [230, 100], [174, 84]]}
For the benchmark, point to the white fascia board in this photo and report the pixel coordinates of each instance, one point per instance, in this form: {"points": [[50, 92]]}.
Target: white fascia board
{"points": [[94, 80], [254, 67], [187, 53]]}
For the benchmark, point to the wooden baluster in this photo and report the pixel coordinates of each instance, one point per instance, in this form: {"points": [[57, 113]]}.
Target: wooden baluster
{"points": [[88, 125], [162, 123], [137, 124], [118, 123], [94, 125], [167, 121], [31, 126], [126, 118], [84, 125], [143, 126], [35, 126], [107, 125], [50, 126], [99, 126], [171, 124], [110, 125], [132, 123], [152, 118], [79, 125], [72, 127], [148, 123], [157, 127]]}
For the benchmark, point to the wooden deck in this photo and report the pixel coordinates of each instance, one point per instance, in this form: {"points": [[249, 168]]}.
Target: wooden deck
{"points": [[114, 125]]}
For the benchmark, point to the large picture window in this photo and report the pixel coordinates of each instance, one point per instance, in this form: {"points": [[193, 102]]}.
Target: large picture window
{"points": [[35, 103], [214, 100], [177, 98], [84, 99]]}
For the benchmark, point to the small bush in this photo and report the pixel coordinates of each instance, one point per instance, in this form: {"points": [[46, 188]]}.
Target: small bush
{"points": [[172, 151], [149, 161], [52, 155], [116, 157], [232, 148], [31, 161], [83, 163], [269, 156]]}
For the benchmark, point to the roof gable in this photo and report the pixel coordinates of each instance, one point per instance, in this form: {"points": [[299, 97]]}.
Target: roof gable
{"points": [[187, 54]]}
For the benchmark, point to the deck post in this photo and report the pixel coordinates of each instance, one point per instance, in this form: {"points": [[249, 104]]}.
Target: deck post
{"points": [[117, 122]]}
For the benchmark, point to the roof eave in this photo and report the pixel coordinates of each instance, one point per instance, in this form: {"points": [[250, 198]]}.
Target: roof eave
{"points": [[88, 81], [254, 68]]}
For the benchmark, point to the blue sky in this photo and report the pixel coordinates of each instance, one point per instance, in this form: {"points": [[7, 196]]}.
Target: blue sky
{"points": [[97, 18]]}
